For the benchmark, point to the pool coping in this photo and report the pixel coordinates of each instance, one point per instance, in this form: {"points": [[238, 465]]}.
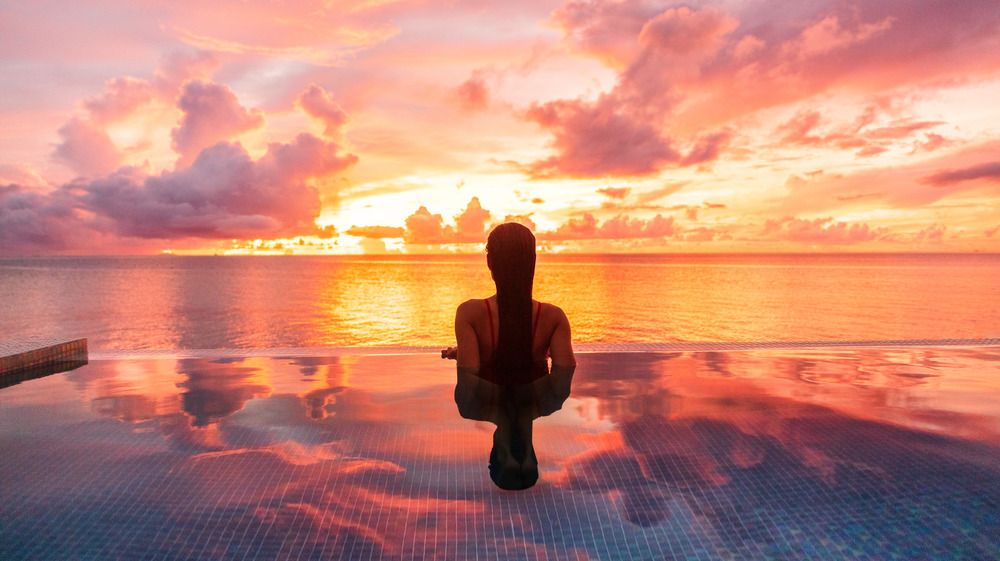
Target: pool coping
{"points": [[32, 354], [667, 347]]}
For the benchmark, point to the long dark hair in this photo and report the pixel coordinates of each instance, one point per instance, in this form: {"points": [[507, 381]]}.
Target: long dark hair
{"points": [[510, 255]]}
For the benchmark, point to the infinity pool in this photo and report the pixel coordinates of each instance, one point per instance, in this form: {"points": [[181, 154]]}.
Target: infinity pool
{"points": [[820, 453]]}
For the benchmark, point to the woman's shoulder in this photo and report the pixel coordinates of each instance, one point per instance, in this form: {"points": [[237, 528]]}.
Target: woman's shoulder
{"points": [[471, 307], [552, 310]]}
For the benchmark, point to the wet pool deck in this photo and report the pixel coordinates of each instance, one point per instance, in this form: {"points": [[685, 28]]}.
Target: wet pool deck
{"points": [[855, 452]]}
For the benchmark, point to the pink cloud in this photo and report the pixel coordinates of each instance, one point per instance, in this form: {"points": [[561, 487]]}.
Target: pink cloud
{"points": [[121, 97], [728, 65], [21, 174], [473, 94], [319, 104], [804, 130], [621, 133], [820, 230], [35, 222], [87, 149], [224, 194], [596, 140], [587, 227], [179, 67], [212, 114], [604, 30]]}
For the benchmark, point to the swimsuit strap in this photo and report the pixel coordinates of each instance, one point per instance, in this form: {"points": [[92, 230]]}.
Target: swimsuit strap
{"points": [[489, 314]]}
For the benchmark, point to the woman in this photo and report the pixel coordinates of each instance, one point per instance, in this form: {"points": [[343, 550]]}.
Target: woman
{"points": [[503, 343]]}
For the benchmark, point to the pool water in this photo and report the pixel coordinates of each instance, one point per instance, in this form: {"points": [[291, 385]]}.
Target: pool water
{"points": [[820, 453]]}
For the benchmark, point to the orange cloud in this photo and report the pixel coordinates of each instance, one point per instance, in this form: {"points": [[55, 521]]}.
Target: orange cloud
{"points": [[820, 230], [376, 232]]}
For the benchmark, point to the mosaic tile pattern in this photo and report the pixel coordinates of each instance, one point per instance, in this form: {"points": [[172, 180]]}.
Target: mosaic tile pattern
{"points": [[763, 454]]}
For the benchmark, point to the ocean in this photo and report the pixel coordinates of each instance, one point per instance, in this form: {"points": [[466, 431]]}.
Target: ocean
{"points": [[220, 302]]}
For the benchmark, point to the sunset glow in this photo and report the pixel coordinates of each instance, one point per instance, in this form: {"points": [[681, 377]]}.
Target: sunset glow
{"points": [[605, 126]]}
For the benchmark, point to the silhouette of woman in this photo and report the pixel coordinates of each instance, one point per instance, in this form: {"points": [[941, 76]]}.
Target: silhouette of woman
{"points": [[503, 343]]}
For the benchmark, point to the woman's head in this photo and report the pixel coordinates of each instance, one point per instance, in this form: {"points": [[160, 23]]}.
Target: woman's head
{"points": [[510, 255]]}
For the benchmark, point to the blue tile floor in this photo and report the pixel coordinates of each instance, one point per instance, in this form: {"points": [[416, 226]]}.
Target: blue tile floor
{"points": [[836, 453]]}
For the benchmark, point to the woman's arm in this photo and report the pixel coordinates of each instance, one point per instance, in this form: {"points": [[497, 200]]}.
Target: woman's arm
{"points": [[561, 344], [467, 354]]}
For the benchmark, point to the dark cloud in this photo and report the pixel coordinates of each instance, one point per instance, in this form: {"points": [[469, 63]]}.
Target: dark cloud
{"points": [[989, 170]]}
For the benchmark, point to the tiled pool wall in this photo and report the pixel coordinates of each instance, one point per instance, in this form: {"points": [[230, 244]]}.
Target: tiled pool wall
{"points": [[17, 357]]}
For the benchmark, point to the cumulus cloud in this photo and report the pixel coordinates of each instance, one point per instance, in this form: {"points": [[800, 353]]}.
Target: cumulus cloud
{"points": [[121, 97], [86, 148], [701, 68], [604, 30], [470, 224], [587, 227], [31, 221], [319, 104], [224, 194], [597, 140], [522, 219], [624, 132], [212, 114], [820, 230], [423, 227]]}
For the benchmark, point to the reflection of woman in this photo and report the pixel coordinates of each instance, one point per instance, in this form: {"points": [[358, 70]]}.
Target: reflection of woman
{"points": [[503, 345]]}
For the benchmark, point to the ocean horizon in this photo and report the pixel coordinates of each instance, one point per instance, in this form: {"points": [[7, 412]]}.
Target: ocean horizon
{"points": [[188, 302]]}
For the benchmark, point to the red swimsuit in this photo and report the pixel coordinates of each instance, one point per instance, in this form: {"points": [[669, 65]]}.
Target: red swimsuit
{"points": [[488, 371]]}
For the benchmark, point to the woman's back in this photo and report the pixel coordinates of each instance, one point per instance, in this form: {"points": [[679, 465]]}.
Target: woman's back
{"points": [[477, 327]]}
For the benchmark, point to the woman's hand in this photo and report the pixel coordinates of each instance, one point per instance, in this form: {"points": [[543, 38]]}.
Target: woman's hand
{"points": [[450, 353]]}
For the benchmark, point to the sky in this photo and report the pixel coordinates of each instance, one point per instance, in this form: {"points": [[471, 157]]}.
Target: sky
{"points": [[367, 126]]}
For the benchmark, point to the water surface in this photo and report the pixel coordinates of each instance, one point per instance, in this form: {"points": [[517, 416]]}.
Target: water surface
{"points": [[173, 302]]}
